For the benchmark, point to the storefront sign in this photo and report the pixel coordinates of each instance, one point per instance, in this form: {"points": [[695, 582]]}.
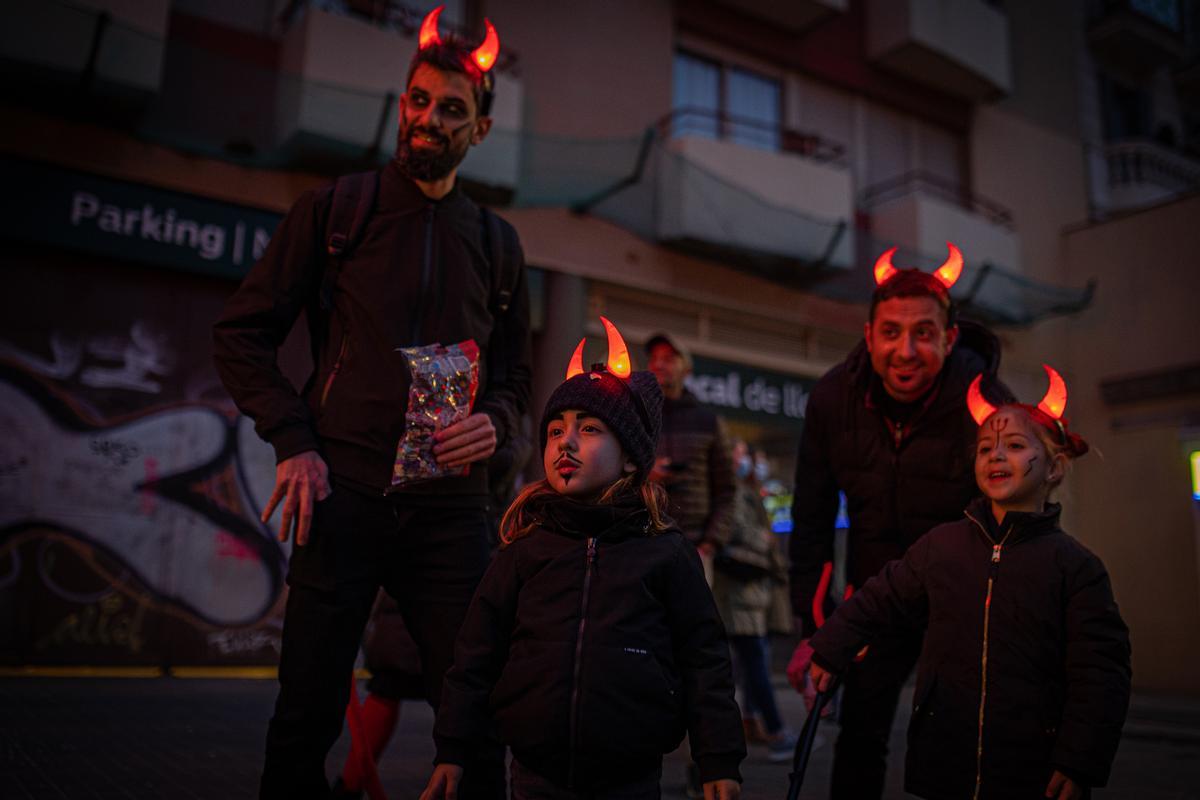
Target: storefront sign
{"points": [[740, 392], [131, 221]]}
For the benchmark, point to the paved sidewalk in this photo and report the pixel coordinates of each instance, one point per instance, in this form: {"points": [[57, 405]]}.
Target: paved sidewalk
{"points": [[158, 738]]}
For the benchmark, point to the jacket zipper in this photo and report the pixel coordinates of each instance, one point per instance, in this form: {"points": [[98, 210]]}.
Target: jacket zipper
{"points": [[337, 365], [426, 269], [583, 606], [993, 570]]}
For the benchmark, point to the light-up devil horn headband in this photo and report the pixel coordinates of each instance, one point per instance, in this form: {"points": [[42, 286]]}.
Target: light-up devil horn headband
{"points": [[618, 355], [1053, 404], [980, 408], [947, 273], [484, 56], [1055, 401]]}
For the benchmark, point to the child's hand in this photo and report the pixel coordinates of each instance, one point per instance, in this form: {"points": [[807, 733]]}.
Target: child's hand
{"points": [[724, 789], [821, 678], [1063, 788], [443, 783]]}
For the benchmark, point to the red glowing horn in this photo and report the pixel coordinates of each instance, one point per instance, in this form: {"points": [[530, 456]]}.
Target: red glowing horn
{"points": [[1055, 401], [981, 409], [575, 367], [618, 353], [951, 268], [429, 30], [485, 54], [884, 268]]}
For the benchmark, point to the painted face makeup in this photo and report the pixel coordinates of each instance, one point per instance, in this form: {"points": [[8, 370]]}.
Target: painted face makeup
{"points": [[582, 457], [1012, 467], [437, 123]]}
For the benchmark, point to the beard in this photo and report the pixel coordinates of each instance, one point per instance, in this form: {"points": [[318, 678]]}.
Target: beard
{"points": [[428, 164]]}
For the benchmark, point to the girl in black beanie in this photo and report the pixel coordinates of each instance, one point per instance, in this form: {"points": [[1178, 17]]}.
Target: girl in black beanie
{"points": [[593, 644]]}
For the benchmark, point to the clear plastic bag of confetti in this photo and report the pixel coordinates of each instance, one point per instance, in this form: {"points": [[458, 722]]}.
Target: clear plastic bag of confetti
{"points": [[444, 381]]}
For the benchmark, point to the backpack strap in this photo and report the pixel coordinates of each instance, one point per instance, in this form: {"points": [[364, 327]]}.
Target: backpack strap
{"points": [[353, 201], [501, 250]]}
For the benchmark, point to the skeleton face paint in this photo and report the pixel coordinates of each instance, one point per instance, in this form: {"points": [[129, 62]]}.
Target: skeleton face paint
{"points": [[438, 123]]}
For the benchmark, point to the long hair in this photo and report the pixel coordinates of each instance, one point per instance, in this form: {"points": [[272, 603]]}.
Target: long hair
{"points": [[518, 521]]}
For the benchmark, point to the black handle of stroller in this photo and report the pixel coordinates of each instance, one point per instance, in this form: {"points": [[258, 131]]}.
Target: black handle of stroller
{"points": [[804, 744]]}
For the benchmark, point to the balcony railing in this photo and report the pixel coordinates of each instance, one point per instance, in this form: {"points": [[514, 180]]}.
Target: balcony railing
{"points": [[1133, 163], [690, 121], [918, 181]]}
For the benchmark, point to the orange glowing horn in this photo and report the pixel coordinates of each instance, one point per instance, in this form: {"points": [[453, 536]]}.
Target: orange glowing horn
{"points": [[429, 30], [949, 271], [575, 367], [1055, 401], [981, 409], [485, 54], [884, 268], [618, 353]]}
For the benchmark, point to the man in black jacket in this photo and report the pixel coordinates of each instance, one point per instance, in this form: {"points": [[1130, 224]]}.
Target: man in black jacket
{"points": [[889, 427], [693, 463], [418, 274]]}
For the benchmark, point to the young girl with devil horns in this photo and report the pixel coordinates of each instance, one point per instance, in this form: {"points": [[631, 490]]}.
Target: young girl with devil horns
{"points": [[1023, 680], [593, 643]]}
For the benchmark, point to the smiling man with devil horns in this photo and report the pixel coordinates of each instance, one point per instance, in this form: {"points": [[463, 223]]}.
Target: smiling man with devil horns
{"points": [[889, 427], [381, 261]]}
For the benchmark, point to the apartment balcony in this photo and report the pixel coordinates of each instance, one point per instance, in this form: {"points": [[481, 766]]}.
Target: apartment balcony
{"points": [[920, 212], [331, 107], [1137, 38], [960, 47], [100, 50], [797, 15], [779, 212], [1144, 173]]}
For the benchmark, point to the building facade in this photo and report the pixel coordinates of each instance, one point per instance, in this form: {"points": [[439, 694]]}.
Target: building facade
{"points": [[727, 171]]}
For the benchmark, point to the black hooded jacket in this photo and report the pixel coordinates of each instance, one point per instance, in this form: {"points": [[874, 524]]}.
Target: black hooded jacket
{"points": [[899, 481], [1025, 655], [592, 646]]}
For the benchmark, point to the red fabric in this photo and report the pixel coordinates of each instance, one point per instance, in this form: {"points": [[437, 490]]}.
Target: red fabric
{"points": [[378, 720]]}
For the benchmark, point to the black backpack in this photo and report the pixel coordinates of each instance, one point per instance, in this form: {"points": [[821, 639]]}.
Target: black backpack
{"points": [[353, 202]]}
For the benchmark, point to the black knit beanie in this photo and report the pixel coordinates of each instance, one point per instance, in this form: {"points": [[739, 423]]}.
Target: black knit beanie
{"points": [[631, 409]]}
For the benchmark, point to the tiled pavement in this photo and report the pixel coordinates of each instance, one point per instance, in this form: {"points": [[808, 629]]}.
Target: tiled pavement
{"points": [[86, 739]]}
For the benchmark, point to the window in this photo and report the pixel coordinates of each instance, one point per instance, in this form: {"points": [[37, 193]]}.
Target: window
{"points": [[722, 102]]}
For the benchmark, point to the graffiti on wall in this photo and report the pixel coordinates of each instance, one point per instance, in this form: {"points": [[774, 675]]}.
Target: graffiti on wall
{"points": [[135, 533]]}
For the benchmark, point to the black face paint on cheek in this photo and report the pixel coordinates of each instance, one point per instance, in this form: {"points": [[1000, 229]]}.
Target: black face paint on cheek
{"points": [[1029, 468], [454, 132]]}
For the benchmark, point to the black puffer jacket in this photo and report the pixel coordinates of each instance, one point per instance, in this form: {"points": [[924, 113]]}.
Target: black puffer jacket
{"points": [[1025, 655], [593, 646], [899, 482]]}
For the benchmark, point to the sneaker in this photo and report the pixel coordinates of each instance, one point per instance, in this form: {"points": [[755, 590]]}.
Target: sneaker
{"points": [[781, 747]]}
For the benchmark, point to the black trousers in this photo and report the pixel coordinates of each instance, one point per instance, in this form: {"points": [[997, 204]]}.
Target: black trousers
{"points": [[869, 697], [430, 560]]}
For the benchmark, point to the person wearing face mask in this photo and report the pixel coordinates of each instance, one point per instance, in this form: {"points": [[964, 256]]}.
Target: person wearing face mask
{"points": [[747, 569]]}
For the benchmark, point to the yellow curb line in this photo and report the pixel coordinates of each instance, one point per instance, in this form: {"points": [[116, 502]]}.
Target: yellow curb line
{"points": [[243, 673]]}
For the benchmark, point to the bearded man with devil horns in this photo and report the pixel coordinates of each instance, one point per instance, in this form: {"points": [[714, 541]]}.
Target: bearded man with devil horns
{"points": [[407, 260], [889, 427]]}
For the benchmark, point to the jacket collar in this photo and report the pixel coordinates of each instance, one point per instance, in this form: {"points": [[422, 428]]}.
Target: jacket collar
{"points": [[1017, 525], [398, 192], [625, 518]]}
